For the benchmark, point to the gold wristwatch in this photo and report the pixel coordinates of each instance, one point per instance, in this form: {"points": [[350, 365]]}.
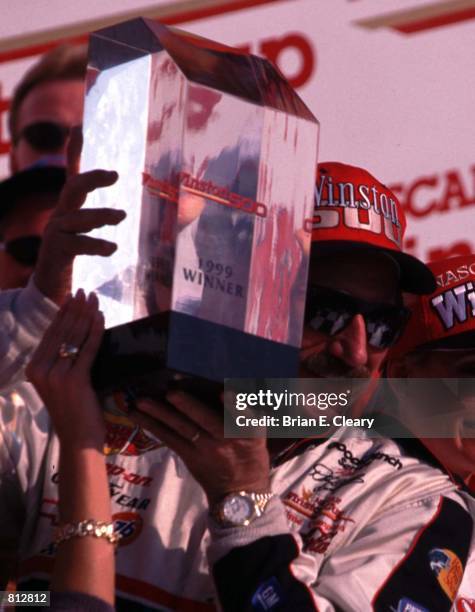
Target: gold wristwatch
{"points": [[239, 509]]}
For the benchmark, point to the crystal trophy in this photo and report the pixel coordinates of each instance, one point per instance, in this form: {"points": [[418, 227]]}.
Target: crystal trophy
{"points": [[216, 156]]}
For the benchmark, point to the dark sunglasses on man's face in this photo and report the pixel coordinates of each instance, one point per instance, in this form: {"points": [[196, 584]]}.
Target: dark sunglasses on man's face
{"points": [[45, 135], [329, 311], [24, 250]]}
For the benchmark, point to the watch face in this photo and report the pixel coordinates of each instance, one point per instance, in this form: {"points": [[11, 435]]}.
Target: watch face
{"points": [[238, 510]]}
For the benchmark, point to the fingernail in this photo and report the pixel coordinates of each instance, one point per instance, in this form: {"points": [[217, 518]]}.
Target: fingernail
{"points": [[92, 298], [80, 295]]}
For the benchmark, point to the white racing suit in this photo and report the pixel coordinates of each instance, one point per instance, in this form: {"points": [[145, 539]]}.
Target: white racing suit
{"points": [[25, 314], [357, 523]]}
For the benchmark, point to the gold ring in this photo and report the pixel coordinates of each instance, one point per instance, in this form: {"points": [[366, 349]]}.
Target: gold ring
{"points": [[68, 351]]}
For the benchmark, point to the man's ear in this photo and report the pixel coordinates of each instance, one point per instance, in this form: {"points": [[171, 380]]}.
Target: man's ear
{"points": [[397, 367]]}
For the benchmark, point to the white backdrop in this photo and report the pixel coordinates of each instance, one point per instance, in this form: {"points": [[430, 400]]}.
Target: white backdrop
{"points": [[392, 83]]}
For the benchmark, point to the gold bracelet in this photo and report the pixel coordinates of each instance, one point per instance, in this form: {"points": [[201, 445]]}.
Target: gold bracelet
{"points": [[98, 529]]}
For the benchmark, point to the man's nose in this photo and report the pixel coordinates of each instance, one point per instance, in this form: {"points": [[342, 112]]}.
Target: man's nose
{"points": [[350, 345]]}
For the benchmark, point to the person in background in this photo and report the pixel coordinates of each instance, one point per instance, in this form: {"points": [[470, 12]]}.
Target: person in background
{"points": [[47, 102], [439, 342], [43, 231], [27, 200]]}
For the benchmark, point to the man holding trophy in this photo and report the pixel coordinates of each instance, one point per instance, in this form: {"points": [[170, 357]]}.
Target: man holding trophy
{"points": [[207, 521]]}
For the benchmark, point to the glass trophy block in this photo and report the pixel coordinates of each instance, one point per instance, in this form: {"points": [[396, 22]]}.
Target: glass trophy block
{"points": [[216, 156]]}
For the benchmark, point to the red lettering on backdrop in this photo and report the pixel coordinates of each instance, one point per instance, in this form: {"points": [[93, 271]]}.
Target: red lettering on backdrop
{"points": [[411, 197], [435, 194], [434, 253], [273, 47], [453, 250], [454, 195], [410, 245]]}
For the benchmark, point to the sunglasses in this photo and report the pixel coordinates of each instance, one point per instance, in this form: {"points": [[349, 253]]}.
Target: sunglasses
{"points": [[330, 311], [24, 250], [45, 135]]}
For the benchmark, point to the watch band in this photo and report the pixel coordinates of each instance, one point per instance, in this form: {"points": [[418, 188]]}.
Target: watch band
{"points": [[256, 502], [260, 500]]}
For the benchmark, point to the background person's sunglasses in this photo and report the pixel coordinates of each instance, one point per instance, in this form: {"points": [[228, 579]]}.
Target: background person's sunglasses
{"points": [[45, 135], [24, 250], [329, 311]]}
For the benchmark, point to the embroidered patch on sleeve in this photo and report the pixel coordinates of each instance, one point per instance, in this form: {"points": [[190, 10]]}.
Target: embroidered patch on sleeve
{"points": [[431, 572]]}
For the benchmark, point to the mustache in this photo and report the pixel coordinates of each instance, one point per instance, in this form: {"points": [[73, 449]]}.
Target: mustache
{"points": [[328, 366]]}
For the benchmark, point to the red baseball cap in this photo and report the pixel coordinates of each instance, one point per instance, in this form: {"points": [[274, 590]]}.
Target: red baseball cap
{"points": [[353, 210], [446, 318]]}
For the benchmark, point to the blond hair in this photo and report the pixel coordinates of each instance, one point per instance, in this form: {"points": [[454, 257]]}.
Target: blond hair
{"points": [[65, 62]]}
